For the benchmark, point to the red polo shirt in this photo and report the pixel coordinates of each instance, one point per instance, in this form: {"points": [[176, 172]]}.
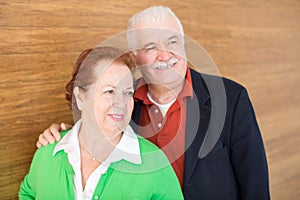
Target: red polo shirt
{"points": [[168, 132]]}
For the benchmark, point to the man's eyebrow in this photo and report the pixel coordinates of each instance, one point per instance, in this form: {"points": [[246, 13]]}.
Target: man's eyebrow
{"points": [[149, 44], [153, 43], [173, 37]]}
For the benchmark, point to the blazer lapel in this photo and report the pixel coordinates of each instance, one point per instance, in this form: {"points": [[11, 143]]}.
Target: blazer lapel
{"points": [[198, 117], [197, 121], [211, 97]]}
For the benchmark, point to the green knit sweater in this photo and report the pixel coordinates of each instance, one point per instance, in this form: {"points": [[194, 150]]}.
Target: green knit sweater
{"points": [[51, 177]]}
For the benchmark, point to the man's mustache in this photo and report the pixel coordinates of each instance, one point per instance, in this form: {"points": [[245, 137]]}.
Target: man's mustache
{"points": [[165, 65]]}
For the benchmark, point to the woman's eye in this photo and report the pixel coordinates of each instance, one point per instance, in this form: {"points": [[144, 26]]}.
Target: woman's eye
{"points": [[109, 92], [130, 93]]}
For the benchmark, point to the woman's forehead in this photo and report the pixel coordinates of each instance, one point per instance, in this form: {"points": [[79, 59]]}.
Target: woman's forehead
{"points": [[114, 74]]}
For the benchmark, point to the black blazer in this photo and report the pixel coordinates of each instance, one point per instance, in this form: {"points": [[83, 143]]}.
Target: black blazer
{"points": [[225, 156]]}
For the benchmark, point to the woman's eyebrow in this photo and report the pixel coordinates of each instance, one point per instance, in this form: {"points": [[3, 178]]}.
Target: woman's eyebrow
{"points": [[110, 85]]}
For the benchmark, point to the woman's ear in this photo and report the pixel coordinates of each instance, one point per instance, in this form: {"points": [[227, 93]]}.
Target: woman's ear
{"points": [[78, 96]]}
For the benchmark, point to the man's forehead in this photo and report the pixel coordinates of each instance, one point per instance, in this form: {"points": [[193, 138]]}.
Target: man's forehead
{"points": [[168, 23], [149, 35]]}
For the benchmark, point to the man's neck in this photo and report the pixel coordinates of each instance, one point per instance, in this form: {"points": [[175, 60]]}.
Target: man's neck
{"points": [[163, 95]]}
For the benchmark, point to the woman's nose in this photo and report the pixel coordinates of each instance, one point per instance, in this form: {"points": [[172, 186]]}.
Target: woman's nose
{"points": [[119, 101]]}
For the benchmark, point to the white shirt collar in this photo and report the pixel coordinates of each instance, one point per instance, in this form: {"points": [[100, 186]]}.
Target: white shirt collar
{"points": [[70, 141], [128, 148]]}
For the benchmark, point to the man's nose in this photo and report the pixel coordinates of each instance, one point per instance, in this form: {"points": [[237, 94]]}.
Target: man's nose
{"points": [[163, 54]]}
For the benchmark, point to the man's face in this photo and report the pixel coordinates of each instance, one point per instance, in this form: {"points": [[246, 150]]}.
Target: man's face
{"points": [[160, 53]]}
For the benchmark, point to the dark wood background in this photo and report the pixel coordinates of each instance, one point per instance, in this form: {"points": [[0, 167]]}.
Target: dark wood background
{"points": [[256, 43]]}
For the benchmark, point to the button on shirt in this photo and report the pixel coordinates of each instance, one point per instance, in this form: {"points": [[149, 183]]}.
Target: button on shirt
{"points": [[127, 149], [167, 132]]}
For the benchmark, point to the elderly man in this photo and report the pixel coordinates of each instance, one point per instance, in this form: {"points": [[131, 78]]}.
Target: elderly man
{"points": [[174, 109]]}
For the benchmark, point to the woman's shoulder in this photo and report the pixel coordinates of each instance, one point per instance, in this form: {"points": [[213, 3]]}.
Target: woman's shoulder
{"points": [[146, 145], [152, 155], [49, 149]]}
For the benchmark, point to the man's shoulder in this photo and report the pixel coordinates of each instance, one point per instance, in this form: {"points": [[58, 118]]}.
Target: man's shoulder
{"points": [[208, 80]]}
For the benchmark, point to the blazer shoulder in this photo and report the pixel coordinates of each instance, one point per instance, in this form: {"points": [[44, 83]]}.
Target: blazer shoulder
{"points": [[232, 88], [231, 84]]}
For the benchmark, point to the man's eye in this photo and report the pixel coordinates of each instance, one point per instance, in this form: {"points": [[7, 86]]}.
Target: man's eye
{"points": [[149, 48], [172, 42]]}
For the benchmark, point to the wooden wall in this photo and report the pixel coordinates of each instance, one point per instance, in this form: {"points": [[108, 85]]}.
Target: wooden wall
{"points": [[256, 43]]}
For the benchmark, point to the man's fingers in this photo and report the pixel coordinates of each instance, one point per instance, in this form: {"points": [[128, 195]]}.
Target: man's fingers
{"points": [[49, 135], [38, 144], [53, 133], [42, 140], [65, 126]]}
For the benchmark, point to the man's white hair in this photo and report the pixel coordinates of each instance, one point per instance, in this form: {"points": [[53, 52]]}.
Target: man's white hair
{"points": [[154, 14]]}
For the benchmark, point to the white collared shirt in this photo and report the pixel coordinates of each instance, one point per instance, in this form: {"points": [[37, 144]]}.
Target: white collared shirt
{"points": [[128, 149]]}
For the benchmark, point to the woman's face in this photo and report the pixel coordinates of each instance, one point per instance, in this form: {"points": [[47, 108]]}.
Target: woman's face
{"points": [[109, 100]]}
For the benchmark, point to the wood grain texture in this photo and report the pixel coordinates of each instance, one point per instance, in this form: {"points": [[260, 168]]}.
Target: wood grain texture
{"points": [[255, 43]]}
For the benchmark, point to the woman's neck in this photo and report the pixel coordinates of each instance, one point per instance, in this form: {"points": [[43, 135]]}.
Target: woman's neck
{"points": [[95, 147], [97, 143]]}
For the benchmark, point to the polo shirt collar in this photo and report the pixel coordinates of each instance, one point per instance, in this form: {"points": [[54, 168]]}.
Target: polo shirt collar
{"points": [[142, 89]]}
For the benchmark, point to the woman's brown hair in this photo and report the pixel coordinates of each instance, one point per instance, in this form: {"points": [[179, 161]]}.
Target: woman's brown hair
{"points": [[84, 71]]}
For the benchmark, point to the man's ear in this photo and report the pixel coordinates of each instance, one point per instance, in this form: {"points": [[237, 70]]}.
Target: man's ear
{"points": [[132, 54], [78, 96]]}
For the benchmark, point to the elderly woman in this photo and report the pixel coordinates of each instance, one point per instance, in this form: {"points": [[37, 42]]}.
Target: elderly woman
{"points": [[101, 157]]}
